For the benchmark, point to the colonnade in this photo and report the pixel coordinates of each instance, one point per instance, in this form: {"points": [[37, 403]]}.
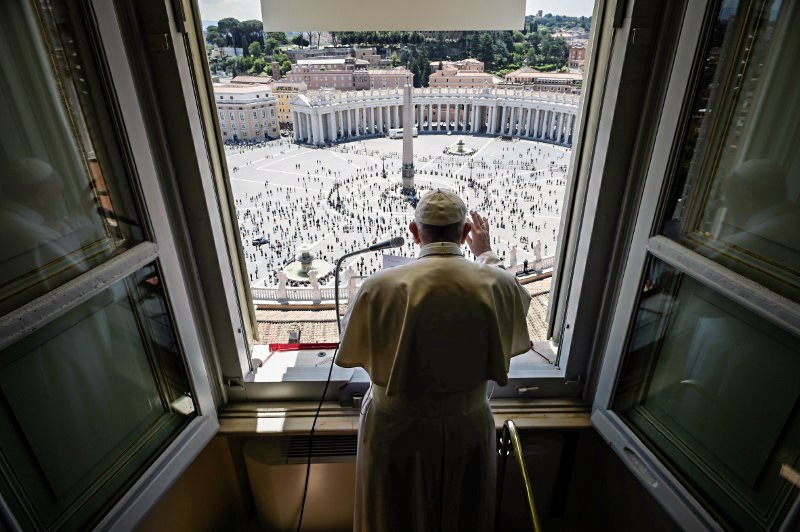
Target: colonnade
{"points": [[332, 118]]}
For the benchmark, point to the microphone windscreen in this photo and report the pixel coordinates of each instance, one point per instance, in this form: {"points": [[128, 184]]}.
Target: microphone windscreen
{"points": [[397, 241]]}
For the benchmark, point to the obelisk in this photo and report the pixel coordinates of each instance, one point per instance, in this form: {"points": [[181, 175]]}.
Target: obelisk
{"points": [[408, 138]]}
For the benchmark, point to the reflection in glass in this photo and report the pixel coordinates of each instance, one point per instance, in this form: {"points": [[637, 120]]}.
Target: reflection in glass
{"points": [[64, 203], [89, 400], [714, 389], [737, 193]]}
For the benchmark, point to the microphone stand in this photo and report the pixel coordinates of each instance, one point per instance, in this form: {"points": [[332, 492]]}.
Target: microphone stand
{"points": [[336, 286]]}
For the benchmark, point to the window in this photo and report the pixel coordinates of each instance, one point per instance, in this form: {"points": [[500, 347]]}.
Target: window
{"points": [[86, 296], [699, 384], [263, 114], [222, 116], [231, 115], [255, 115], [532, 227]]}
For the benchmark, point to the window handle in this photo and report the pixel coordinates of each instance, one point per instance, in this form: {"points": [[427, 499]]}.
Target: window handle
{"points": [[636, 463]]}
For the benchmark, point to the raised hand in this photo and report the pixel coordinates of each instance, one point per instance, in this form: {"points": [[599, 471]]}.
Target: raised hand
{"points": [[478, 238]]}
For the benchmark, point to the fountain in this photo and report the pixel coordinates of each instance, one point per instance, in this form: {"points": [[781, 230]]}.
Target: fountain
{"points": [[306, 267], [460, 149]]}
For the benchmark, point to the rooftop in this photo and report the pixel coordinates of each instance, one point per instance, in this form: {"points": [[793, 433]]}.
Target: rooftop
{"points": [[320, 325], [251, 79], [329, 61]]}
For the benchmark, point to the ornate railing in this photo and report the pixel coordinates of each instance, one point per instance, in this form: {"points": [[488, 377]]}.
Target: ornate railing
{"points": [[291, 294]]}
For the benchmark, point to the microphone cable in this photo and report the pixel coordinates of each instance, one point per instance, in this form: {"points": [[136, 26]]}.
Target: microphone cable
{"points": [[324, 390], [393, 242], [311, 438]]}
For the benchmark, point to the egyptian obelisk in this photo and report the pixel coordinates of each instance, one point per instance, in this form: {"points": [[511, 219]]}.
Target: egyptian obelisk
{"points": [[408, 138]]}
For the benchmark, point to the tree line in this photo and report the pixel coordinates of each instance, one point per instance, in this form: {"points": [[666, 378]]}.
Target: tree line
{"points": [[500, 51]]}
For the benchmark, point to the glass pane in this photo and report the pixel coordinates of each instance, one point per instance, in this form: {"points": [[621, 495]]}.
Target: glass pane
{"points": [[736, 196], [714, 389], [64, 203], [89, 401]]}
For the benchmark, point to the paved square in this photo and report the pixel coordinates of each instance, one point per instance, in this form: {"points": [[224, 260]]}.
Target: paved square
{"points": [[336, 199]]}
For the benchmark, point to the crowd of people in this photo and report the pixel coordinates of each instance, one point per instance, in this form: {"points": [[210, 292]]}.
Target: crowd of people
{"points": [[295, 194]]}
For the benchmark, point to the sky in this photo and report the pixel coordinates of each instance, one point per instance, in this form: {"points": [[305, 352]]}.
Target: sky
{"points": [[213, 10]]}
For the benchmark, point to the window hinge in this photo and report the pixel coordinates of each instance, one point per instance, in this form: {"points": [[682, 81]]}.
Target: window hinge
{"points": [[577, 380]]}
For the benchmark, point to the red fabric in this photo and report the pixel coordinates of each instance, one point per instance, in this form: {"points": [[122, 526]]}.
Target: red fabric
{"points": [[302, 346]]}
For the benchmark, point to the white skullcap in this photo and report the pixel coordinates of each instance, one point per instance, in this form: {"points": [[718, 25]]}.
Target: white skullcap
{"points": [[440, 207]]}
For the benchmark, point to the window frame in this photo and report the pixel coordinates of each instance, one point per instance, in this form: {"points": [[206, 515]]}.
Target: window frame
{"points": [[159, 248], [580, 224], [647, 467]]}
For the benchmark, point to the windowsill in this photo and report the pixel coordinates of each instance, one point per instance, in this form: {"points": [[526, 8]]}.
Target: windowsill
{"points": [[296, 417]]}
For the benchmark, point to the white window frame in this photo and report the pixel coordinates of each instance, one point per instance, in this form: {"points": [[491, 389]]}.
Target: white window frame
{"points": [[568, 377], [163, 249], [653, 474]]}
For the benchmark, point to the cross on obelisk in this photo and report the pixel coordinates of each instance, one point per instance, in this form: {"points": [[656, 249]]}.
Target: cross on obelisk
{"points": [[408, 138]]}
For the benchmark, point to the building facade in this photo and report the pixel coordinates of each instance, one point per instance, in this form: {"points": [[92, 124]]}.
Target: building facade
{"points": [[563, 82], [298, 54], [344, 74], [332, 116], [577, 55], [451, 78], [285, 92], [464, 65], [246, 112]]}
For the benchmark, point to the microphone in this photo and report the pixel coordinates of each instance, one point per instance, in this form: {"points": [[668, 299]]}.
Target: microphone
{"points": [[394, 242]]}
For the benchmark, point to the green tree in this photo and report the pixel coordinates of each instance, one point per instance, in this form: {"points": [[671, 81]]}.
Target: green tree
{"points": [[213, 36], [299, 40], [426, 73], [395, 60], [259, 64], [270, 45], [256, 50], [486, 50], [230, 30]]}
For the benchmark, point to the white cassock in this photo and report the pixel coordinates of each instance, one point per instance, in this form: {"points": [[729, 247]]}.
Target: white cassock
{"points": [[431, 334]]}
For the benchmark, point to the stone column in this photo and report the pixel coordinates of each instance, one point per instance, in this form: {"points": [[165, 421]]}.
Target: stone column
{"points": [[419, 120], [396, 116], [317, 130], [559, 122], [530, 121], [295, 127], [439, 118], [503, 120], [447, 117], [380, 119], [332, 126]]}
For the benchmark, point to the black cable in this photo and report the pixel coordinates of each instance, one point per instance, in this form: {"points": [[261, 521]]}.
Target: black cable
{"points": [[324, 390], [311, 439]]}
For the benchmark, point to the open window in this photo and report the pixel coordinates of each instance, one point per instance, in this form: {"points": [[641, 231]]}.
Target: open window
{"points": [[103, 383], [698, 392], [508, 143]]}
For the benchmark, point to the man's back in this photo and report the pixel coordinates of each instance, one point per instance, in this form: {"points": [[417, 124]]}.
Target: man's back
{"points": [[441, 324]]}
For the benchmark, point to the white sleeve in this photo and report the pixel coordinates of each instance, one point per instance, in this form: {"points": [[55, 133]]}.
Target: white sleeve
{"points": [[490, 258]]}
